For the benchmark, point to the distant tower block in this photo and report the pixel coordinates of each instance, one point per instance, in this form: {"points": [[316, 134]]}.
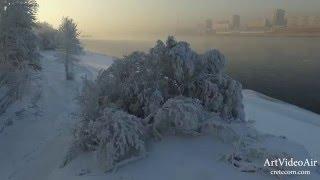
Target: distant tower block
{"points": [[209, 26], [279, 18], [235, 22]]}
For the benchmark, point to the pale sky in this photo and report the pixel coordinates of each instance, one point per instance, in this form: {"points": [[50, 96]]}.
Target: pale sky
{"points": [[107, 19]]}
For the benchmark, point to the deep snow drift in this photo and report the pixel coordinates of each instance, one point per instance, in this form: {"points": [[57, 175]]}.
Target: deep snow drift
{"points": [[34, 145]]}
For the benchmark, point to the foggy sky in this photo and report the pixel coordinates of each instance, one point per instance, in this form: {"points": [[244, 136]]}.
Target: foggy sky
{"points": [[109, 19]]}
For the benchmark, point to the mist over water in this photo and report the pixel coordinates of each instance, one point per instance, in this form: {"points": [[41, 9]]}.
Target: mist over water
{"points": [[286, 68]]}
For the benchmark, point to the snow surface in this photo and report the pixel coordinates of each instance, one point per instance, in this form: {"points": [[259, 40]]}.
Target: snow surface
{"points": [[279, 118], [35, 143], [94, 62], [171, 159]]}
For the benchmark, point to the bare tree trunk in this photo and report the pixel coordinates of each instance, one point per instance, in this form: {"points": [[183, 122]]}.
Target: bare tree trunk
{"points": [[67, 65]]}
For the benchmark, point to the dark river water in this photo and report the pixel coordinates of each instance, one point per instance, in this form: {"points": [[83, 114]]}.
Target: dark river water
{"points": [[286, 68]]}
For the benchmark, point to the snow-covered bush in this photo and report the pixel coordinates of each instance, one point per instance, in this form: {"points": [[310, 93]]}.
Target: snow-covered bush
{"points": [[115, 135], [141, 83], [171, 89], [47, 36], [120, 137], [182, 116]]}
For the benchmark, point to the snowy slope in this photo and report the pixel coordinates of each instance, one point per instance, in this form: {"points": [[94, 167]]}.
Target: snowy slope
{"points": [[34, 146], [275, 117], [95, 62]]}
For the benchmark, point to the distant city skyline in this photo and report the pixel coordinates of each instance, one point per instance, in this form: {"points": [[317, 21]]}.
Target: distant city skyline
{"points": [[116, 19]]}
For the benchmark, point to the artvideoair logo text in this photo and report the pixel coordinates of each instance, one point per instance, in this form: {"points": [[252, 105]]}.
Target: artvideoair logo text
{"points": [[284, 162]]}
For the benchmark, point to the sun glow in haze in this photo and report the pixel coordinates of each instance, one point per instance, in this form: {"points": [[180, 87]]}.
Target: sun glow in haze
{"points": [[112, 19]]}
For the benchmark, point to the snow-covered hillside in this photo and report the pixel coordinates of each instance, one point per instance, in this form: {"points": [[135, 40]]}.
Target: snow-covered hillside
{"points": [[34, 143]]}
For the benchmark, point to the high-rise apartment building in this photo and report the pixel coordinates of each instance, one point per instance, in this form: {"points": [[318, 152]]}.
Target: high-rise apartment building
{"points": [[235, 25], [279, 18]]}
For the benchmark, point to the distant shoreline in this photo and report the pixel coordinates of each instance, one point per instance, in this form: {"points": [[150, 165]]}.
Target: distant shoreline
{"points": [[267, 34], [297, 35]]}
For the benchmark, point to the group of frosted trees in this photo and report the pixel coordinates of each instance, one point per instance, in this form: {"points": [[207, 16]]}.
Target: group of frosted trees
{"points": [[18, 48], [47, 36], [65, 39], [20, 41], [170, 90]]}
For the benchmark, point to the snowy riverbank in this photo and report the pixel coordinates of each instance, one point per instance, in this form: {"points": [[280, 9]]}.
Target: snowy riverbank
{"points": [[275, 117], [35, 141]]}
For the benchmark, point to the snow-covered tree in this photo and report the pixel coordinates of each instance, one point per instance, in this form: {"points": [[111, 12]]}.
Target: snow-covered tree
{"points": [[18, 42], [18, 46], [69, 44], [47, 36]]}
